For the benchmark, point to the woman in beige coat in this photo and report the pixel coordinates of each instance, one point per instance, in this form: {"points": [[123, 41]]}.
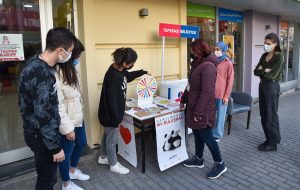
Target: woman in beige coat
{"points": [[72, 130]]}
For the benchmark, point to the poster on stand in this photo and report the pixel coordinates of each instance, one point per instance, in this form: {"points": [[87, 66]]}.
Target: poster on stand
{"points": [[170, 140], [11, 47], [126, 143]]}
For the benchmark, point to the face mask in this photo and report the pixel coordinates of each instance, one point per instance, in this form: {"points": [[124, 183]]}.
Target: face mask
{"points": [[193, 56], [76, 61], [269, 48], [218, 53], [62, 60], [129, 67]]}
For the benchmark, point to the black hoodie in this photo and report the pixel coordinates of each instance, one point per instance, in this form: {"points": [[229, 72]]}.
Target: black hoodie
{"points": [[113, 95]]}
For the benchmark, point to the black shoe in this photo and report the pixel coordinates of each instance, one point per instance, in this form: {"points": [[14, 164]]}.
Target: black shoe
{"points": [[194, 162], [262, 145], [217, 170], [269, 147]]}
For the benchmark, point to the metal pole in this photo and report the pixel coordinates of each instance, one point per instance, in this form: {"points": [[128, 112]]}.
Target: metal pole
{"points": [[163, 59]]}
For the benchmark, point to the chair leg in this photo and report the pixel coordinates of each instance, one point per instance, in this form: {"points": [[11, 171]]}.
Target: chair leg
{"points": [[229, 123], [248, 119]]}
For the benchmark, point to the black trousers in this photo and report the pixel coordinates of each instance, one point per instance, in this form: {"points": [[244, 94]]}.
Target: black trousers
{"points": [[268, 106], [45, 167]]}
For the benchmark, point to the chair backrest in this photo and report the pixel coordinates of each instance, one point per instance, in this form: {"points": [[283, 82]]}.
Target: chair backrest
{"points": [[242, 98]]}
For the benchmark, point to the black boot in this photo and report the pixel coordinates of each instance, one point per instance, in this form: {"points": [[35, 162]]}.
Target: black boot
{"points": [[269, 147], [262, 145]]}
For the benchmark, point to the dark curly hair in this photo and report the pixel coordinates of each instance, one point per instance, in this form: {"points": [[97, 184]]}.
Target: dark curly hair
{"points": [[127, 55], [201, 48]]}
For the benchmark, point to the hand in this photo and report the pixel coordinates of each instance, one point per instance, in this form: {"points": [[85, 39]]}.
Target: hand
{"points": [[259, 67], [195, 119], [225, 100], [182, 106], [267, 70], [71, 136], [59, 157]]}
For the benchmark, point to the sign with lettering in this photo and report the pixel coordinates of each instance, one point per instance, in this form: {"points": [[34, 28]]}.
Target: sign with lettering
{"points": [[201, 11], [170, 140], [11, 47], [230, 15], [178, 31]]}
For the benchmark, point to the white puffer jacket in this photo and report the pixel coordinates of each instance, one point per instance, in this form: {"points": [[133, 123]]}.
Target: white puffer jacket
{"points": [[70, 106]]}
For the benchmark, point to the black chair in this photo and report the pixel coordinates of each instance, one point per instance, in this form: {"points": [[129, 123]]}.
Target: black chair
{"points": [[239, 102]]}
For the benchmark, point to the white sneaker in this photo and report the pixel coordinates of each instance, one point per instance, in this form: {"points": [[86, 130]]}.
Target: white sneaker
{"points": [[118, 168], [103, 160], [79, 175], [71, 186]]}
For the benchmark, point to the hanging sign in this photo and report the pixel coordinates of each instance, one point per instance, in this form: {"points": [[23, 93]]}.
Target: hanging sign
{"points": [[230, 15], [178, 31], [201, 11]]}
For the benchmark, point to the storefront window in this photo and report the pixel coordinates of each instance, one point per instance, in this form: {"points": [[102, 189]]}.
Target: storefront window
{"points": [[284, 26], [63, 15], [292, 66], [19, 19], [204, 17], [230, 31], [287, 46]]}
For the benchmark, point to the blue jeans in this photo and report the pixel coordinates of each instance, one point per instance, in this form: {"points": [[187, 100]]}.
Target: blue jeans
{"points": [[72, 151], [218, 130], [204, 136]]}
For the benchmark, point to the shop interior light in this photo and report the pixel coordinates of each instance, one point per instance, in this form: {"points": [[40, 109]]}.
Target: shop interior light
{"points": [[28, 6]]}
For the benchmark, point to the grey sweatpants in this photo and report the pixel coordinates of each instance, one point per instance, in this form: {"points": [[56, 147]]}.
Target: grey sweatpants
{"points": [[108, 145]]}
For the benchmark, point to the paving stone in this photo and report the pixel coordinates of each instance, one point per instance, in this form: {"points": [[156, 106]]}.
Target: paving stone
{"points": [[247, 167]]}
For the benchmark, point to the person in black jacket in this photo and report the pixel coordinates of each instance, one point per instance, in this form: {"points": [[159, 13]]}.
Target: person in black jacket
{"points": [[112, 104], [39, 105]]}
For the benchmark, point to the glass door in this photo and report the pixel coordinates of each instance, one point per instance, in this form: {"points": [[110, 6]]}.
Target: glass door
{"points": [[17, 18], [231, 33], [63, 14], [31, 19]]}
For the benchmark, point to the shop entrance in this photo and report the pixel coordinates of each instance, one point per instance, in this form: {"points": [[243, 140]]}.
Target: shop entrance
{"points": [[25, 18]]}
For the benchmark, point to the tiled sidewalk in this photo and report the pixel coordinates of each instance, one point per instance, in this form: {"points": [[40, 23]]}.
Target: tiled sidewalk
{"points": [[247, 167]]}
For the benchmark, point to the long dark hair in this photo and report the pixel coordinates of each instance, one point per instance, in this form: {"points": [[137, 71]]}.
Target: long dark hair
{"points": [[274, 38], [69, 73], [201, 48]]}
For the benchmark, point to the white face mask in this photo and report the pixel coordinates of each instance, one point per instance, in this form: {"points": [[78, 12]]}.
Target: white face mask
{"points": [[269, 48], [62, 60], [218, 53]]}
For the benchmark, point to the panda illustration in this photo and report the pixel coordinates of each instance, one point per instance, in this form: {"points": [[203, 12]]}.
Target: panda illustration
{"points": [[173, 141], [167, 145]]}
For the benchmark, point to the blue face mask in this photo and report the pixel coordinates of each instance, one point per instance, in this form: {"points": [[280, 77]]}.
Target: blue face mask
{"points": [[76, 61]]}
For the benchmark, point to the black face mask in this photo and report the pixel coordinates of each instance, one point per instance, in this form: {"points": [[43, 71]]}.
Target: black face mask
{"points": [[193, 56], [129, 67]]}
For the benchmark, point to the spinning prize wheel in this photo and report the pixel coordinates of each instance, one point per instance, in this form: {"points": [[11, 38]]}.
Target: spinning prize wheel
{"points": [[146, 87]]}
